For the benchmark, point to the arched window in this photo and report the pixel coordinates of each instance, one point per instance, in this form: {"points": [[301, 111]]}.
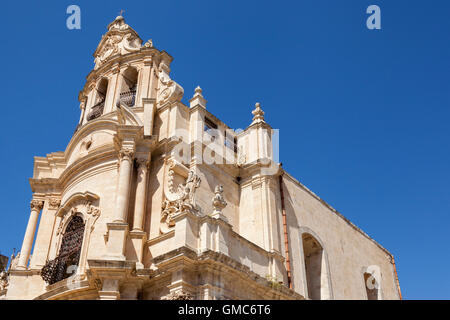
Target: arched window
{"points": [[317, 277], [69, 253], [129, 86], [100, 96], [102, 89]]}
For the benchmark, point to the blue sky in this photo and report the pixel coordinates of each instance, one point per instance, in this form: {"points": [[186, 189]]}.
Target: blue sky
{"points": [[363, 114]]}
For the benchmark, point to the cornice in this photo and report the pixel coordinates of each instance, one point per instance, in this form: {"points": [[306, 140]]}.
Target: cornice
{"points": [[329, 207]]}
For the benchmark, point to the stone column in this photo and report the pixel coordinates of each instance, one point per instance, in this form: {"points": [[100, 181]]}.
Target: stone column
{"points": [[112, 89], [44, 233], [123, 187], [139, 208], [36, 206]]}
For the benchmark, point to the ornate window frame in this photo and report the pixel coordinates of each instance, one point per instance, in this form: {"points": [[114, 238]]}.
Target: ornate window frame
{"points": [[86, 206]]}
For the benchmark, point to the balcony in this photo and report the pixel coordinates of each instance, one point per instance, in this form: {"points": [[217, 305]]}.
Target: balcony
{"points": [[128, 97], [97, 111]]}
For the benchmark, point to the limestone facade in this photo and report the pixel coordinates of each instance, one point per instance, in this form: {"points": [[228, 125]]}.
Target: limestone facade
{"points": [[154, 199]]}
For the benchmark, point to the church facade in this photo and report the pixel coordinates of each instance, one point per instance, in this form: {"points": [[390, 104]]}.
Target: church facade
{"points": [[154, 199]]}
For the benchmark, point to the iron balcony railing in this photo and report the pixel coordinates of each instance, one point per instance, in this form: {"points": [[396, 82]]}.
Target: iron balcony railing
{"points": [[97, 111], [128, 97]]}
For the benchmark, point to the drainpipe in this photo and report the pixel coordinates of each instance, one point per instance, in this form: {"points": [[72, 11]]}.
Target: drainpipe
{"points": [[285, 230], [396, 278]]}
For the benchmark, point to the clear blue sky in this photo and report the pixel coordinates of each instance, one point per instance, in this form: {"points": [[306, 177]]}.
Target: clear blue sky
{"points": [[363, 115]]}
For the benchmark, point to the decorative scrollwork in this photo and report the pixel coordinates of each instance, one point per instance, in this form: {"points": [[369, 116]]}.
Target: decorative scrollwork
{"points": [[181, 201], [120, 39]]}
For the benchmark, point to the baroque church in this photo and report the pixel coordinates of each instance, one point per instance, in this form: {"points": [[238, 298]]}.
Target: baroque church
{"points": [[157, 200]]}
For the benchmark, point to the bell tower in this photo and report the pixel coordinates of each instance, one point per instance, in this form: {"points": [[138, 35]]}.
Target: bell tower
{"points": [[127, 74]]}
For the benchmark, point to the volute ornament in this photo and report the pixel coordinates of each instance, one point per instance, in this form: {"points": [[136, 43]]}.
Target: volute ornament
{"points": [[180, 201], [119, 40]]}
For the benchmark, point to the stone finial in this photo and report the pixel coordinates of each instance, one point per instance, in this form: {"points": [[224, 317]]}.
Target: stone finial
{"points": [[258, 114], [198, 98], [198, 91], [149, 44]]}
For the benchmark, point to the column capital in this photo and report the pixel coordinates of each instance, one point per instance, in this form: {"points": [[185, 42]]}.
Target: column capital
{"points": [[36, 205], [142, 164], [126, 154], [54, 203]]}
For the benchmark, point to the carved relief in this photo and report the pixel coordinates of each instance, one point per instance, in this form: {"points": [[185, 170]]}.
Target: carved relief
{"points": [[120, 39], [180, 201], [169, 90], [91, 215], [178, 295], [54, 204]]}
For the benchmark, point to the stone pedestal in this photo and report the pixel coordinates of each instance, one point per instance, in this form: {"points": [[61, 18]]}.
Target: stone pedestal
{"points": [[117, 235], [138, 239]]}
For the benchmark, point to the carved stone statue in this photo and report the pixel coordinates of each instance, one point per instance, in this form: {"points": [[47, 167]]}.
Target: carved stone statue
{"points": [[218, 200], [14, 261], [183, 200]]}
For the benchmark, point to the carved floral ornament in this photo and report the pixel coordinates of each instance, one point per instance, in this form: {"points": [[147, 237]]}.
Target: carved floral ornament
{"points": [[179, 201]]}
